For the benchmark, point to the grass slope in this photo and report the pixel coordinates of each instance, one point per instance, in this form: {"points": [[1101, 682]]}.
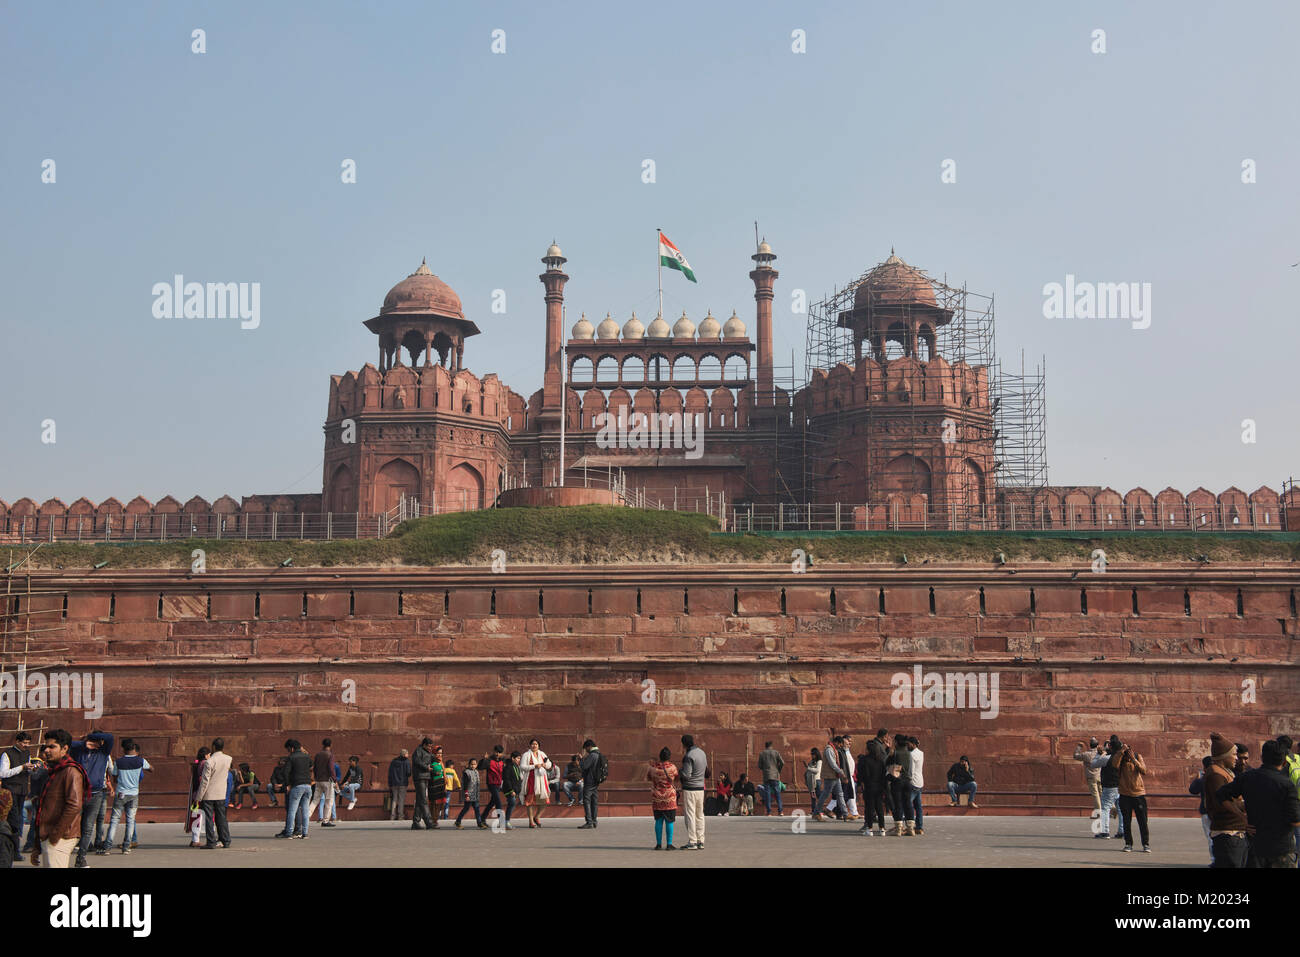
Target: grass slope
{"points": [[606, 535]]}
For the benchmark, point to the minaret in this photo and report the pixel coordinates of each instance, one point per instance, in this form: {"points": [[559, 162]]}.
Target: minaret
{"points": [[764, 277], [553, 378]]}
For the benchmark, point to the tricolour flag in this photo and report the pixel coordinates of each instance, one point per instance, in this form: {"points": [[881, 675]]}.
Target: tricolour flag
{"points": [[671, 256]]}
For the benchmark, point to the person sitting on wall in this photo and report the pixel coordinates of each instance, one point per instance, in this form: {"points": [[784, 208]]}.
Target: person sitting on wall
{"points": [[573, 781], [245, 785], [724, 795], [961, 780], [742, 796]]}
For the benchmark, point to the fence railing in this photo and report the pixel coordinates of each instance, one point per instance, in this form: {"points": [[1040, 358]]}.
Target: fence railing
{"points": [[831, 517], [895, 516]]}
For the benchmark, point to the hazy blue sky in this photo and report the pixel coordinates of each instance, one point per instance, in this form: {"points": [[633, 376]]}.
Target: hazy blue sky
{"points": [[225, 166]]}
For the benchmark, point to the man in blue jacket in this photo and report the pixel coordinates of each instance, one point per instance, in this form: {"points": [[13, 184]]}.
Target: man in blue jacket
{"points": [[92, 754]]}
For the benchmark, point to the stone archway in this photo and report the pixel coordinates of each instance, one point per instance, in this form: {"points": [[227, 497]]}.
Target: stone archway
{"points": [[342, 493], [397, 478], [462, 489]]}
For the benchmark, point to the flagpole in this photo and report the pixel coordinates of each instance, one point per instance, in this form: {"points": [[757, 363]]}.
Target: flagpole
{"points": [[660, 260]]}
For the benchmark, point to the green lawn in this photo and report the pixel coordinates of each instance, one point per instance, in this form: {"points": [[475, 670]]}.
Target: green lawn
{"points": [[599, 534]]}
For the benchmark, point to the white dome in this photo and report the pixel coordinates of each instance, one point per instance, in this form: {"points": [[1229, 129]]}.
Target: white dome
{"points": [[608, 328], [683, 328], [733, 328], [710, 328], [553, 252], [659, 329], [632, 329], [583, 329]]}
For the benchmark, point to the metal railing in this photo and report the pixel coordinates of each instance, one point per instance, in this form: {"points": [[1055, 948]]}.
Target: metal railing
{"points": [[896, 516]]}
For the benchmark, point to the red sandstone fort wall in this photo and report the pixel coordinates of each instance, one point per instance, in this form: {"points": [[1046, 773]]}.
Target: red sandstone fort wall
{"points": [[635, 657]]}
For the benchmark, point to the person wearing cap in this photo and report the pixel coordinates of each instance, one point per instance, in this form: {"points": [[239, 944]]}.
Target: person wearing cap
{"points": [[1091, 775], [1228, 844], [961, 780], [422, 771], [1272, 808]]}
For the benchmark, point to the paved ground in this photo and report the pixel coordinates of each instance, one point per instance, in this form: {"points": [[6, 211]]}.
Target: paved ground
{"points": [[971, 841]]}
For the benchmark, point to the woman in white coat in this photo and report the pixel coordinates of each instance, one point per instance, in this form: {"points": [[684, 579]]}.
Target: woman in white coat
{"points": [[537, 793]]}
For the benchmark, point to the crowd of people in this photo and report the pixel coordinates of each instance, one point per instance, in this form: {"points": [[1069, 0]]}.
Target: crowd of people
{"points": [[69, 800], [1251, 816]]}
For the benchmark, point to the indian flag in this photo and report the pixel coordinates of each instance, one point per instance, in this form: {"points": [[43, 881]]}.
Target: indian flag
{"points": [[671, 256]]}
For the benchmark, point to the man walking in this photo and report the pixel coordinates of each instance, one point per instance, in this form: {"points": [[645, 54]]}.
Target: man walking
{"points": [[298, 779], [212, 796], [323, 790], [1091, 775], [493, 768], [422, 772], [58, 816], [128, 770], [848, 764], [92, 754], [594, 771], [1272, 808], [832, 780], [770, 763], [399, 777], [694, 772], [15, 777]]}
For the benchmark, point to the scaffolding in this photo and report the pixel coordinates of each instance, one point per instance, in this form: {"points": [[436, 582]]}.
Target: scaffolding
{"points": [[1016, 428], [31, 619], [1020, 419]]}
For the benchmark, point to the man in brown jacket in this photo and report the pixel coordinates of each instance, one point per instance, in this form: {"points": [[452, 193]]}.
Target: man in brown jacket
{"points": [[1132, 792], [1227, 818], [58, 821]]}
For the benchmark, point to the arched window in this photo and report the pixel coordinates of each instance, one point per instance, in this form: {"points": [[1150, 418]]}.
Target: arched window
{"points": [[633, 369], [607, 369], [582, 370]]}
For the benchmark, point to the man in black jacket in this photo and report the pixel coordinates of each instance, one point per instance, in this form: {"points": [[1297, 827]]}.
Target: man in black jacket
{"points": [[15, 777], [298, 777], [422, 771], [871, 778], [1272, 808], [590, 764], [399, 777], [961, 780]]}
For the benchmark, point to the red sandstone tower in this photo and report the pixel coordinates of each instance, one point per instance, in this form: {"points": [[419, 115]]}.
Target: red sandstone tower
{"points": [[764, 277], [552, 377]]}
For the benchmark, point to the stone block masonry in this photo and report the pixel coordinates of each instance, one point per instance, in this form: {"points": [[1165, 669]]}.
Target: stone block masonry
{"points": [[736, 655]]}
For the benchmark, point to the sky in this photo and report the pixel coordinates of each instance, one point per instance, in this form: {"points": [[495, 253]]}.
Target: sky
{"points": [[226, 166]]}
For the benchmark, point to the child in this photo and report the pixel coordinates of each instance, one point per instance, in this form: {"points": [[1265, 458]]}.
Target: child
{"points": [[470, 797], [453, 784]]}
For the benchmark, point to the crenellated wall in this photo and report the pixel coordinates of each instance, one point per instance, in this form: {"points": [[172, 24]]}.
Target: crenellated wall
{"points": [[634, 657]]}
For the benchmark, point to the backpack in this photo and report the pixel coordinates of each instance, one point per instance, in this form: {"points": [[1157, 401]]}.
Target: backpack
{"points": [[602, 768]]}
